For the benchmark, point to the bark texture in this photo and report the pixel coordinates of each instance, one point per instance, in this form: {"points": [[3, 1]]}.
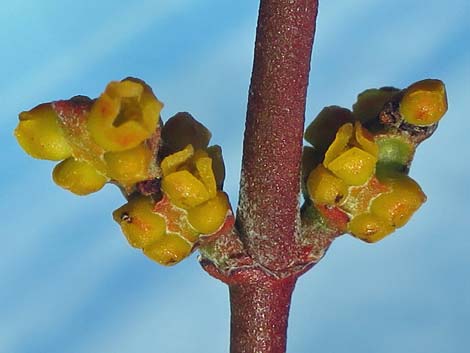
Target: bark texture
{"points": [[268, 211], [260, 313]]}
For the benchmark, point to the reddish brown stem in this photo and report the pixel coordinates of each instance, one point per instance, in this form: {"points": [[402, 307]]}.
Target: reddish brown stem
{"points": [[259, 315], [268, 211], [262, 272]]}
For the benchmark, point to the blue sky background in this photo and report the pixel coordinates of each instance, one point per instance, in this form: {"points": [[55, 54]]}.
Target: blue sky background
{"points": [[69, 282]]}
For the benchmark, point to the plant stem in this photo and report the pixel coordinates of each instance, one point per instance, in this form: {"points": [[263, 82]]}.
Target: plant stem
{"points": [[268, 211], [259, 316], [262, 269]]}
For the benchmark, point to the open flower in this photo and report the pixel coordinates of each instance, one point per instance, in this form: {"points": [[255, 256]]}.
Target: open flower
{"points": [[188, 179], [189, 182], [124, 116]]}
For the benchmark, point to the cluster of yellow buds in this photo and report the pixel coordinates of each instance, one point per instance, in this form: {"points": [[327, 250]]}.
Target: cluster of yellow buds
{"points": [[192, 207], [360, 181], [100, 141], [118, 138]]}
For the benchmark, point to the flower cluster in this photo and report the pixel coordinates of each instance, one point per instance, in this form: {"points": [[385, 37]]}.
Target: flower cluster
{"points": [[170, 176], [357, 179], [192, 206], [106, 140]]}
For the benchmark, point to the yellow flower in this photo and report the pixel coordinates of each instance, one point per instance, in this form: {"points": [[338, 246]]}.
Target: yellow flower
{"points": [[349, 161], [125, 115], [191, 206], [171, 163], [346, 180], [355, 166], [188, 178], [191, 186], [117, 138], [184, 189], [352, 155], [98, 142]]}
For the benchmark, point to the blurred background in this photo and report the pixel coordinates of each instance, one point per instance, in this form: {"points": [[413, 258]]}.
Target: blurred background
{"points": [[69, 282]]}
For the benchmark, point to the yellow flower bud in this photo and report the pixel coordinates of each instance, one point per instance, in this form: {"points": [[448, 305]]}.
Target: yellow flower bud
{"points": [[354, 166], [209, 216], [170, 250], [397, 206], [39, 133], [340, 143], [184, 189], [124, 116], [172, 162], [139, 223], [424, 102], [369, 227], [130, 166], [79, 177], [325, 188]]}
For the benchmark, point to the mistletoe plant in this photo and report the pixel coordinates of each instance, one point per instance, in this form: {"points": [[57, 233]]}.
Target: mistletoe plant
{"points": [[354, 176]]}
